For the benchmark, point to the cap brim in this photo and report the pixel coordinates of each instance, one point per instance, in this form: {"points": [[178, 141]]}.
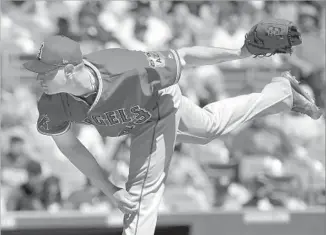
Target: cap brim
{"points": [[38, 66]]}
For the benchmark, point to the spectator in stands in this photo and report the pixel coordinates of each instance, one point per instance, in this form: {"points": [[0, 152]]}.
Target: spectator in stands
{"points": [[144, 30], [286, 10], [64, 29], [88, 199], [206, 20], [268, 9], [308, 143], [91, 29], [51, 194], [15, 154], [308, 67], [276, 187], [198, 17], [319, 197], [315, 190], [204, 85], [82, 197], [28, 195], [260, 138], [14, 162], [230, 32], [116, 19], [187, 187], [93, 34], [229, 193], [183, 34], [141, 13], [25, 110], [3, 204]]}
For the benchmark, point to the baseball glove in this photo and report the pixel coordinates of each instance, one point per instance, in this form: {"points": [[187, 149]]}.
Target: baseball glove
{"points": [[270, 37]]}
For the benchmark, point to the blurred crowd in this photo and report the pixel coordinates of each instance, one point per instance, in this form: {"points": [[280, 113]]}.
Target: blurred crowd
{"points": [[278, 161]]}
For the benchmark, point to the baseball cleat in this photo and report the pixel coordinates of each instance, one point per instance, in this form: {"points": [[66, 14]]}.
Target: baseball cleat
{"points": [[302, 102]]}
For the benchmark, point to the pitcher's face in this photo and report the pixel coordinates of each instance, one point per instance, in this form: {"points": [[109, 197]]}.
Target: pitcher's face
{"points": [[52, 82]]}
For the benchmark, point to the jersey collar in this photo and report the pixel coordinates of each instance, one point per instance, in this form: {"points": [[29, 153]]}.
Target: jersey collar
{"points": [[100, 83]]}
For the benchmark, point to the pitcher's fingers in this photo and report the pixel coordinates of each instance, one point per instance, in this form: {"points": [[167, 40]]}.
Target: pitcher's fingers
{"points": [[128, 197], [132, 210], [123, 210], [129, 203], [127, 210], [132, 206]]}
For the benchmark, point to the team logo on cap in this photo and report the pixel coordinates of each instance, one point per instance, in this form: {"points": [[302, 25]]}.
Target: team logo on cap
{"points": [[39, 54]]}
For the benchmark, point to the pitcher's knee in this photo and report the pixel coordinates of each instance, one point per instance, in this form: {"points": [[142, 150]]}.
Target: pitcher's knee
{"points": [[211, 123]]}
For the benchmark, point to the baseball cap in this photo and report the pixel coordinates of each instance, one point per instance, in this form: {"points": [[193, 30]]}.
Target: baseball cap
{"points": [[55, 52]]}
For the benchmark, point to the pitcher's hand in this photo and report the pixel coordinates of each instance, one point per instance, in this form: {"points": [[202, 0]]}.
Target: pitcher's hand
{"points": [[125, 202]]}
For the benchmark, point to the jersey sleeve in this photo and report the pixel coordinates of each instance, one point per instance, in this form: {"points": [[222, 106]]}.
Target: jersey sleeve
{"points": [[163, 68], [52, 117]]}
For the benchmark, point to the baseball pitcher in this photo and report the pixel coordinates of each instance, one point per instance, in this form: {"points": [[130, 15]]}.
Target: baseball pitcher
{"points": [[136, 93]]}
